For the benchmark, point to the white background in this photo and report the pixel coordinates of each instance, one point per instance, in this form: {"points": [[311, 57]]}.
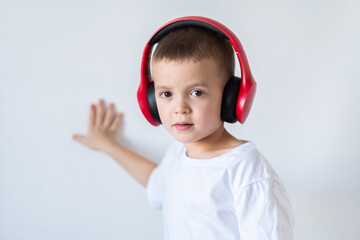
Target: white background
{"points": [[58, 57]]}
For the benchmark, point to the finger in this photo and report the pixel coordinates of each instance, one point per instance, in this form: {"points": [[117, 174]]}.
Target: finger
{"points": [[79, 138], [109, 115], [91, 116], [117, 120], [99, 113]]}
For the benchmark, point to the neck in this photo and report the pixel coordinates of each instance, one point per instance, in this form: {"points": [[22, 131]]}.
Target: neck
{"points": [[218, 140]]}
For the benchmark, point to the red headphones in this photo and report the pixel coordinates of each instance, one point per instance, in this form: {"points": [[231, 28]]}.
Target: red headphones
{"points": [[238, 93]]}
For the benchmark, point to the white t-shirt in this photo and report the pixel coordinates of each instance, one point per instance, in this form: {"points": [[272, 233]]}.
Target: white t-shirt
{"points": [[233, 196]]}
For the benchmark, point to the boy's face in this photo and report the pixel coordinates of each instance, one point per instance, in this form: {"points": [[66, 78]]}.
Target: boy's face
{"points": [[188, 97]]}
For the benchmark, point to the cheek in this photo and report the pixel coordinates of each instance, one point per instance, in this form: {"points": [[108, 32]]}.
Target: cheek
{"points": [[210, 112], [164, 114]]}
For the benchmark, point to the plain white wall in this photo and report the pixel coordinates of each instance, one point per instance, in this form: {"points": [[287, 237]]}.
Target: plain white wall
{"points": [[58, 57]]}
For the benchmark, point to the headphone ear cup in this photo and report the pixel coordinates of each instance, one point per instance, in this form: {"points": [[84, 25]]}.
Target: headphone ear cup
{"points": [[229, 100], [150, 94]]}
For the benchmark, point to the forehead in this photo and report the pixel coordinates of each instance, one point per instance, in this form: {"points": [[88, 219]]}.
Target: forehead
{"points": [[185, 72]]}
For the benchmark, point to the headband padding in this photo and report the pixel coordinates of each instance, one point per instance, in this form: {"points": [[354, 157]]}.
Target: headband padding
{"points": [[186, 23]]}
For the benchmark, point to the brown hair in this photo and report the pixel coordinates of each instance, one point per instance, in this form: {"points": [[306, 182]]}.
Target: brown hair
{"points": [[193, 43]]}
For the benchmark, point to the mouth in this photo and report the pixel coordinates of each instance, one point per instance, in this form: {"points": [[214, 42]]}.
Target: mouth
{"points": [[182, 126]]}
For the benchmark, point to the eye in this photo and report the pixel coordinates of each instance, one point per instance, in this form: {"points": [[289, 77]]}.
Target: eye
{"points": [[165, 94], [197, 93]]}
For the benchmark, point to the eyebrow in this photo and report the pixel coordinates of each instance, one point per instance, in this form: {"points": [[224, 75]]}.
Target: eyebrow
{"points": [[198, 84]]}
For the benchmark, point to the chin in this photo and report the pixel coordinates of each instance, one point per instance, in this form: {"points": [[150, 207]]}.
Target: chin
{"points": [[183, 139], [186, 139]]}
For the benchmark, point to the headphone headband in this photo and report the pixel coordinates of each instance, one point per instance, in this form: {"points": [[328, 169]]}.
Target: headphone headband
{"points": [[184, 23], [247, 85]]}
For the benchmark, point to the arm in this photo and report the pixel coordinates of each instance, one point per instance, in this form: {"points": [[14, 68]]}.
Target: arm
{"points": [[102, 128], [139, 167]]}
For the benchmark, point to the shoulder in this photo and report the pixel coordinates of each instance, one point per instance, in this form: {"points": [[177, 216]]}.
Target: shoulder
{"points": [[169, 159], [174, 151], [248, 166], [175, 148]]}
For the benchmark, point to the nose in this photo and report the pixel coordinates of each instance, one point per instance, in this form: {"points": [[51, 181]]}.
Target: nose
{"points": [[181, 107]]}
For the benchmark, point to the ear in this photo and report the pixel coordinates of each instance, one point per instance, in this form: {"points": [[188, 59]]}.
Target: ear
{"points": [[229, 99], [150, 94]]}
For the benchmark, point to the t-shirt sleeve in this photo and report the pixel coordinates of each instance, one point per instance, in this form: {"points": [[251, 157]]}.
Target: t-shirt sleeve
{"points": [[264, 211], [157, 183], [155, 188]]}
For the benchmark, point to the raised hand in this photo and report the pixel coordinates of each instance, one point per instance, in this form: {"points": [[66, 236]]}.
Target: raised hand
{"points": [[102, 127]]}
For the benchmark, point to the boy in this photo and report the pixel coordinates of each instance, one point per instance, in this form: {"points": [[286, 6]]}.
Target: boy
{"points": [[210, 185]]}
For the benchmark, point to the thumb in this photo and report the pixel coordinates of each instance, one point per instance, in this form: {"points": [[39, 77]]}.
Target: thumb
{"points": [[79, 138]]}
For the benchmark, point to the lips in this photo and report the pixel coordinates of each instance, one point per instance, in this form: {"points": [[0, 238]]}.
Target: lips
{"points": [[182, 126]]}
